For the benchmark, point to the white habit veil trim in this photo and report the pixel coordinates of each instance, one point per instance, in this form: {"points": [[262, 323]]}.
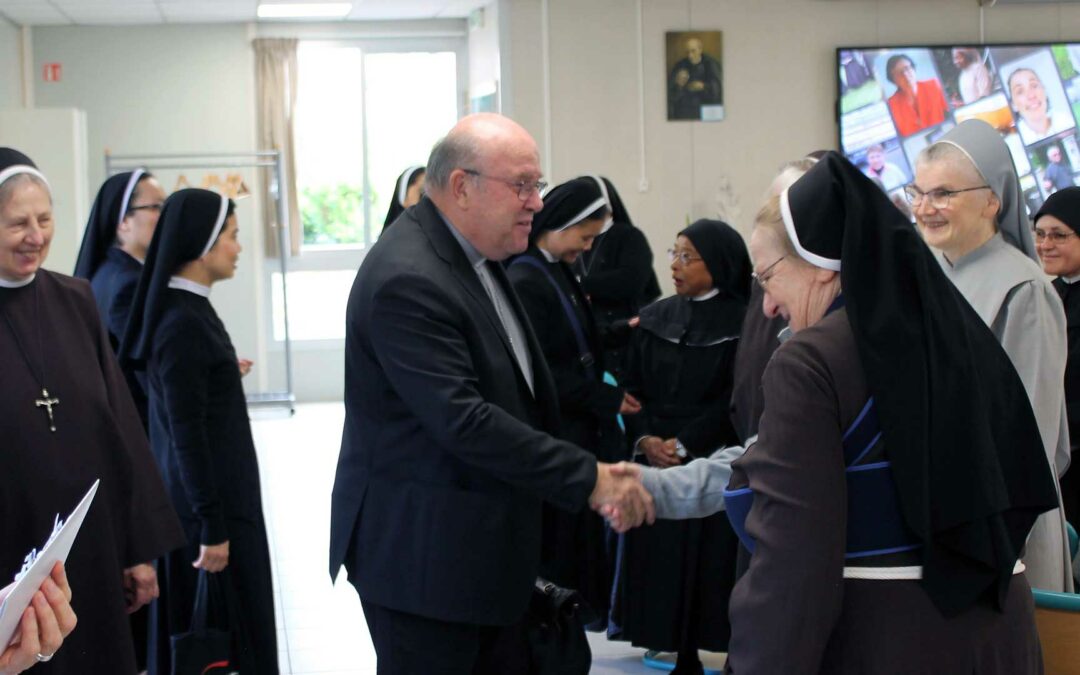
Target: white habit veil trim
{"points": [[217, 225], [403, 187], [129, 189], [808, 256], [607, 200], [16, 169], [591, 208]]}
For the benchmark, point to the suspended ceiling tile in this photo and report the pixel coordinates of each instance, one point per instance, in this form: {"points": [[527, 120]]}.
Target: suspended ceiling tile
{"points": [[460, 8], [211, 12], [34, 14], [381, 10], [97, 13]]}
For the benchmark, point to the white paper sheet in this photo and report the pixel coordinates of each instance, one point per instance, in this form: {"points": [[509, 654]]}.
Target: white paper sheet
{"points": [[29, 580]]}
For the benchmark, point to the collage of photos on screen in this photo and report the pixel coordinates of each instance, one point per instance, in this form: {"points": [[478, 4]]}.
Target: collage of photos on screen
{"points": [[895, 101]]}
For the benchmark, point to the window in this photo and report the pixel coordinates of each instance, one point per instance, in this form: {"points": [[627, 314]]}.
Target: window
{"points": [[361, 119], [364, 113]]}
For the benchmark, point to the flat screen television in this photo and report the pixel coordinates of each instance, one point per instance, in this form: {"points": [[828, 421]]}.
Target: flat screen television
{"points": [[894, 101]]}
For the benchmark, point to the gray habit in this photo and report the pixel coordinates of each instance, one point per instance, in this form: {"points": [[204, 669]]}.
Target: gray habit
{"points": [[1018, 303]]}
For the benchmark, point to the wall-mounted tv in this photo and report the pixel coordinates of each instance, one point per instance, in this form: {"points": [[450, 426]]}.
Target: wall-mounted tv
{"points": [[894, 101]]}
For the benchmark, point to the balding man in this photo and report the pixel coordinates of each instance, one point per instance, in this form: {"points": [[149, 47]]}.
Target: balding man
{"points": [[446, 455]]}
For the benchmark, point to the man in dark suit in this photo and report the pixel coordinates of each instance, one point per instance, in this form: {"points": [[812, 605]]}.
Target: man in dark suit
{"points": [[447, 450]]}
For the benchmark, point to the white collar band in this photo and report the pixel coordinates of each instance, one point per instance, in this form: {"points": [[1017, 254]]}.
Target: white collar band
{"points": [[707, 295], [190, 286], [5, 283]]}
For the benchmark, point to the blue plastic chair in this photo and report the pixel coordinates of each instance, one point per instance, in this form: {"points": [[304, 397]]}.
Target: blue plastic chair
{"points": [[1058, 618]]}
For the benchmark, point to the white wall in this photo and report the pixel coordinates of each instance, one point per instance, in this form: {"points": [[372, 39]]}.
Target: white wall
{"points": [[186, 89], [55, 139], [484, 62], [10, 67], [168, 89], [779, 87], [191, 88]]}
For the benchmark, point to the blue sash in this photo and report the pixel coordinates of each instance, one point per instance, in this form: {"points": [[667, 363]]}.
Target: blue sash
{"points": [[875, 525], [584, 353]]}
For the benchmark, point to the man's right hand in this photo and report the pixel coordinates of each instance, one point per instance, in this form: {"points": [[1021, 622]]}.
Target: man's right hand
{"points": [[660, 455], [622, 493], [213, 558]]}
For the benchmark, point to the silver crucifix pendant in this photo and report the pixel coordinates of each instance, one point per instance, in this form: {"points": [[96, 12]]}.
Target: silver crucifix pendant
{"points": [[46, 402]]}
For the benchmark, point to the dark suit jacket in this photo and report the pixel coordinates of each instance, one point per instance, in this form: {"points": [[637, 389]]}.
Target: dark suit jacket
{"points": [[443, 465]]}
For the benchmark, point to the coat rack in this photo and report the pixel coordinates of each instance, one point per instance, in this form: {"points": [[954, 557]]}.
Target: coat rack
{"points": [[267, 159]]}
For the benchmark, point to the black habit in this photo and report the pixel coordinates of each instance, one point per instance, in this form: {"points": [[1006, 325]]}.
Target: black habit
{"points": [[1065, 206], [201, 436], [617, 274], [1070, 482], [573, 552], [112, 273], [98, 436], [760, 337], [675, 577], [114, 285]]}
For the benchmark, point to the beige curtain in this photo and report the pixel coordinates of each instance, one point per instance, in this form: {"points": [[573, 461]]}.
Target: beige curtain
{"points": [[275, 82]]}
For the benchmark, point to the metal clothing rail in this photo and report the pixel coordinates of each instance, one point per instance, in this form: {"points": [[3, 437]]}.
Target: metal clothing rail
{"points": [[268, 159]]}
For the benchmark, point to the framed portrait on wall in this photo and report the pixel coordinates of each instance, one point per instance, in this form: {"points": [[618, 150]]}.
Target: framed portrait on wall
{"points": [[695, 75]]}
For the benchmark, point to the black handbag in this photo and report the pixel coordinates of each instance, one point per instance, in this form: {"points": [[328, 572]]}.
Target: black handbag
{"points": [[205, 650], [555, 631]]}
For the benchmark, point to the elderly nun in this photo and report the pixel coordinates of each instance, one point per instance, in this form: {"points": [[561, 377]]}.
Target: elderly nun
{"points": [[67, 420], [898, 468], [676, 577], [969, 208], [1057, 238]]}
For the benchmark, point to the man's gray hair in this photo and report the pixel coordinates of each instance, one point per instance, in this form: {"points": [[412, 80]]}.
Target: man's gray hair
{"points": [[454, 151]]}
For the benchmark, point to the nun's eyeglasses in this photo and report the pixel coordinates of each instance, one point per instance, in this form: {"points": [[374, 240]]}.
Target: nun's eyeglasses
{"points": [[1054, 236], [524, 188], [763, 278], [156, 206], [683, 257], [939, 199]]}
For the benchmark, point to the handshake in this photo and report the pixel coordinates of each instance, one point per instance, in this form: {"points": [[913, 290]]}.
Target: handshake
{"points": [[620, 497]]}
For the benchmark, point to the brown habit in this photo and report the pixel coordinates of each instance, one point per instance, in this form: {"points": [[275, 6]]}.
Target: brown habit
{"points": [[98, 436]]}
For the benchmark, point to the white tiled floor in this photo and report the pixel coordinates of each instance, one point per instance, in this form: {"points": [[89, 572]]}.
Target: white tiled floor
{"points": [[321, 627]]}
